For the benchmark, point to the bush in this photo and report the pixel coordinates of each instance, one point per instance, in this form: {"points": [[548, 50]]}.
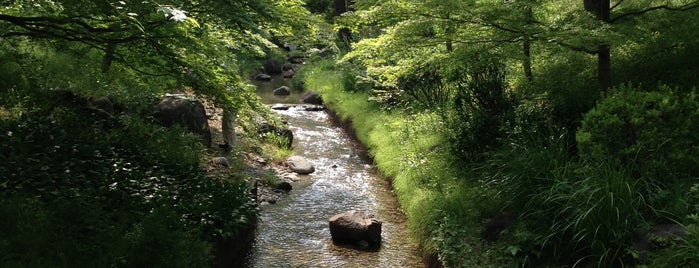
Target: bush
{"points": [[654, 133], [480, 110]]}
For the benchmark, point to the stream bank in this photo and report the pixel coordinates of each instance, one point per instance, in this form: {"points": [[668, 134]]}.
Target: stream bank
{"points": [[293, 232]]}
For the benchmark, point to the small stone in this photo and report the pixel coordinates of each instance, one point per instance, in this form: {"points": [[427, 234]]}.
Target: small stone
{"points": [[221, 161], [263, 77], [280, 107]]}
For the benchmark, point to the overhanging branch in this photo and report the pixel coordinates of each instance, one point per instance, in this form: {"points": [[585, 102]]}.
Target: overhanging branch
{"points": [[686, 7]]}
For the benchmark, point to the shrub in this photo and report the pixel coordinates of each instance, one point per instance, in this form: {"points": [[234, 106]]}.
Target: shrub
{"points": [[654, 133], [479, 111]]}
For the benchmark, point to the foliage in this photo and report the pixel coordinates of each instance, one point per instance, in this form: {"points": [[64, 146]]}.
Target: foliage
{"points": [[121, 190], [410, 149], [682, 252], [652, 132]]}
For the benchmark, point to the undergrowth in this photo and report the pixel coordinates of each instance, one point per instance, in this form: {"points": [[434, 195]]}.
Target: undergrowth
{"points": [[80, 191], [633, 169]]}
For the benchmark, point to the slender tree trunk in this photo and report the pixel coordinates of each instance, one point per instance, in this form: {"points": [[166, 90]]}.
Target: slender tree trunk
{"points": [[527, 64], [601, 10], [604, 68], [526, 50], [449, 45]]}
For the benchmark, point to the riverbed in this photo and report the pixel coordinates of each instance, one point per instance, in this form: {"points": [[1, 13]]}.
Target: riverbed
{"points": [[294, 232]]}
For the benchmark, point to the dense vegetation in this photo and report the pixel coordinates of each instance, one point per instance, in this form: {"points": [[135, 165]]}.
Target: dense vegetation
{"points": [[530, 133], [89, 181], [517, 133]]}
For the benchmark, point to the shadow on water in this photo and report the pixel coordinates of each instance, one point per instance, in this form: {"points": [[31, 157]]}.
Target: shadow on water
{"points": [[294, 232]]}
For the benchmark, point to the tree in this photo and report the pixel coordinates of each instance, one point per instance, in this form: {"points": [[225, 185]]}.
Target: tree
{"points": [[196, 43], [602, 9]]}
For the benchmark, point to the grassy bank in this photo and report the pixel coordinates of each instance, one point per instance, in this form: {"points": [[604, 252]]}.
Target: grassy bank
{"points": [[534, 201], [442, 207]]}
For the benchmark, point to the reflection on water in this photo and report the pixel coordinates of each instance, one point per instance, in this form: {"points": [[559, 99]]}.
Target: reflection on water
{"points": [[294, 232], [265, 89]]}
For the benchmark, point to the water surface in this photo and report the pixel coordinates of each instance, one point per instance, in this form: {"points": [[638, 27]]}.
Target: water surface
{"points": [[294, 231]]}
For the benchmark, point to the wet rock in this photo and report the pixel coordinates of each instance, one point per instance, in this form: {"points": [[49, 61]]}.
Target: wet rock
{"points": [[311, 97], [288, 74], [186, 111], [290, 176], [284, 186], [288, 67], [300, 165], [314, 108], [282, 91], [296, 59], [273, 67], [280, 107], [263, 77], [354, 227]]}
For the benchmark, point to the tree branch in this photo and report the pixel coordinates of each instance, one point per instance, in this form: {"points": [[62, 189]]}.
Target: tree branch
{"points": [[616, 5], [662, 7]]}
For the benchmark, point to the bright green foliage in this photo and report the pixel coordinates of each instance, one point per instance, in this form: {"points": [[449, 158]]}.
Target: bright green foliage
{"points": [[505, 85], [84, 187]]}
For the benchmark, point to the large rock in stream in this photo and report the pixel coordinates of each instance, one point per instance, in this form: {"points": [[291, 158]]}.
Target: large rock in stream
{"points": [[356, 227], [300, 165]]}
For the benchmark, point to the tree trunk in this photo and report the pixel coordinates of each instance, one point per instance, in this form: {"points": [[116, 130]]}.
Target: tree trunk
{"points": [[601, 10], [604, 68], [345, 35], [527, 64], [526, 50]]}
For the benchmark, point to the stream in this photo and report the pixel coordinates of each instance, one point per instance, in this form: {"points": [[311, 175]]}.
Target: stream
{"points": [[294, 232]]}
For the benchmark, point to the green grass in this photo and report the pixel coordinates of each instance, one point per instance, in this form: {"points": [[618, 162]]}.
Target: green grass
{"points": [[442, 206]]}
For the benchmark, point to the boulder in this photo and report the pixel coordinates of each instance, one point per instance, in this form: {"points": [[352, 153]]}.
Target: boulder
{"points": [[355, 227], [288, 74], [186, 111], [296, 59], [273, 67], [300, 165], [284, 186], [311, 97], [282, 91], [263, 77]]}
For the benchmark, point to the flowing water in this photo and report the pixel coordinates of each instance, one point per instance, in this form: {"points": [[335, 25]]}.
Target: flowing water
{"points": [[294, 232]]}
